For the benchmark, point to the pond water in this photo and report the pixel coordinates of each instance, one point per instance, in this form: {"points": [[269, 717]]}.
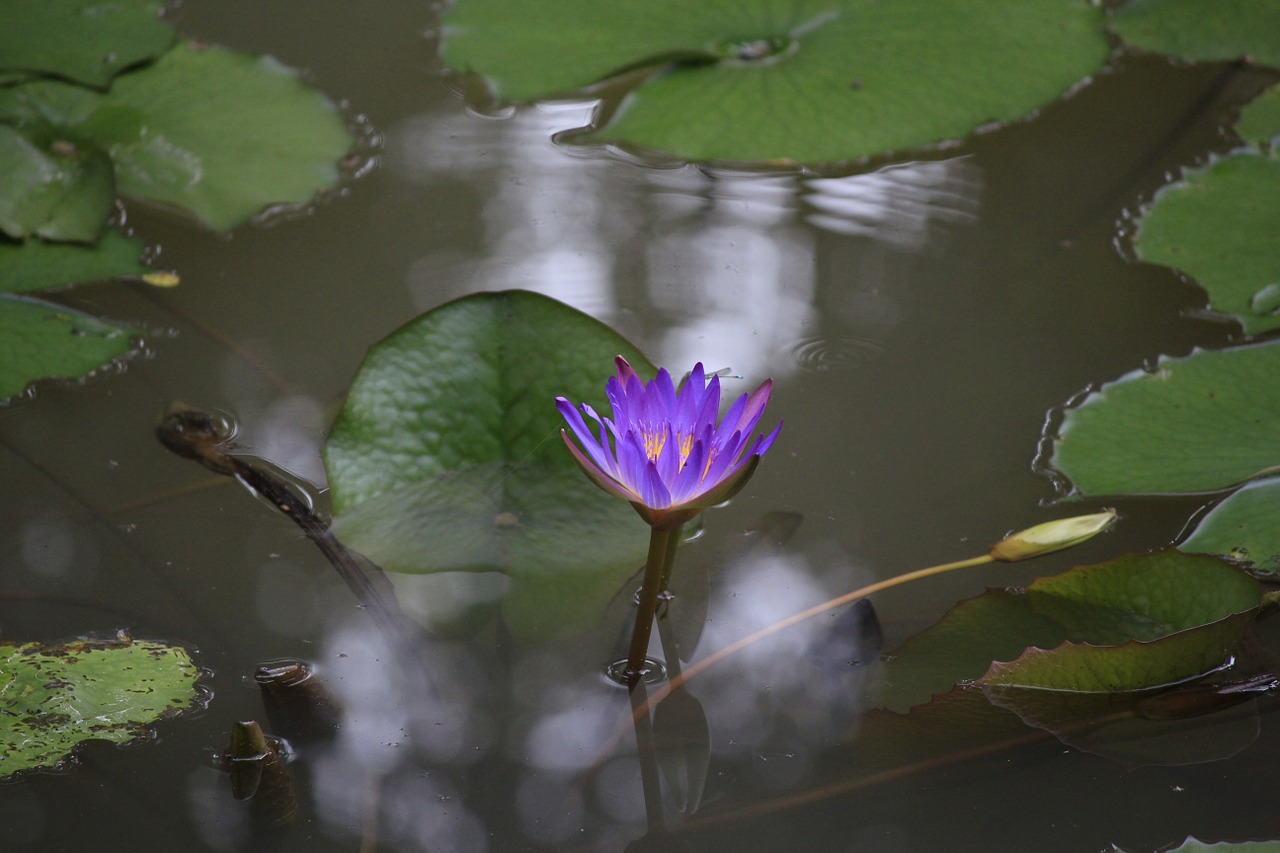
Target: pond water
{"points": [[921, 318]]}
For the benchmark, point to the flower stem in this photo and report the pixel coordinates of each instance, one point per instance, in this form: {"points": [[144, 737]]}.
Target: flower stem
{"points": [[657, 570], [735, 647]]}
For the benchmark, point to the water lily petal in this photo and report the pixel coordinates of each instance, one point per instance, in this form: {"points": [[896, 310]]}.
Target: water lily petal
{"points": [[583, 433], [600, 478]]}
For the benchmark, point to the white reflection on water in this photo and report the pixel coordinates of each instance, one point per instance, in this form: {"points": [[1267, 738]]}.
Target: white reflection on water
{"points": [[725, 260], [900, 205]]}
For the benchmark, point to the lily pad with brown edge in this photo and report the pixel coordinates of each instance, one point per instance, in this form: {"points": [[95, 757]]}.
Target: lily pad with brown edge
{"points": [[56, 696], [1132, 623], [1243, 528], [447, 458], [42, 340], [219, 134], [1221, 226], [1192, 29], [781, 81], [85, 41], [1202, 423]]}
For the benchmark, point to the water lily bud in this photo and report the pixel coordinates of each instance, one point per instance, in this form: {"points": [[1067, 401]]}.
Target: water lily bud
{"points": [[1051, 536]]}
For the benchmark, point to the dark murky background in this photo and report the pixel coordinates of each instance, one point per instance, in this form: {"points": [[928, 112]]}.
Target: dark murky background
{"points": [[920, 323]]}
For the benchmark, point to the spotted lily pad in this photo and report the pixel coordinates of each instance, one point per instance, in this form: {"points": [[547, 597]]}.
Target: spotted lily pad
{"points": [[447, 457], [1197, 424], [1221, 226], [807, 81], [87, 41], [54, 697], [218, 134], [1193, 29]]}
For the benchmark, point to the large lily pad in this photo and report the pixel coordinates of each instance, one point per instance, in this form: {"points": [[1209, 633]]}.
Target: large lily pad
{"points": [[40, 265], [40, 340], [88, 41], [216, 133], [1196, 424], [1221, 226], [1129, 624], [1244, 528], [1193, 29], [447, 456], [54, 697], [808, 81]]}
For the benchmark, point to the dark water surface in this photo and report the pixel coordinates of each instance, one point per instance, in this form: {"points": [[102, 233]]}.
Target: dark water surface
{"points": [[920, 322]]}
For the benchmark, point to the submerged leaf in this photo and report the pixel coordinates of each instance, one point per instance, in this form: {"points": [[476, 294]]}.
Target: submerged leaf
{"points": [[53, 697], [1194, 424], [446, 457], [809, 81]]}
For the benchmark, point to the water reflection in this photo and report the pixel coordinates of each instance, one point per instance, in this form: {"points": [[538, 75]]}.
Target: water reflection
{"points": [[724, 261]]}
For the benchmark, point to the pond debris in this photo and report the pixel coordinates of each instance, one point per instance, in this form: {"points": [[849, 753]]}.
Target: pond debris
{"points": [[256, 764], [299, 705]]}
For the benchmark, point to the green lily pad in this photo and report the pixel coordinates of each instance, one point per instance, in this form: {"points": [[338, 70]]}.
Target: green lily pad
{"points": [[447, 456], [803, 82], [1192, 29], [1243, 528], [40, 340], [1259, 122], [88, 41], [40, 265], [53, 188], [1132, 623], [1221, 226], [215, 133], [54, 697], [1196, 424]]}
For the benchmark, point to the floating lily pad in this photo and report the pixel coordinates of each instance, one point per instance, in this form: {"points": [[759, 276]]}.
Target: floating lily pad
{"points": [[51, 187], [40, 265], [1196, 424], [1259, 122], [216, 133], [1148, 620], [1221, 226], [1193, 29], [1244, 528], [809, 81], [53, 697], [447, 456], [88, 41], [40, 340]]}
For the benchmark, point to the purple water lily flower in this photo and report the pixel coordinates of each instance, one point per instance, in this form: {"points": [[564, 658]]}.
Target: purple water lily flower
{"points": [[668, 456]]}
